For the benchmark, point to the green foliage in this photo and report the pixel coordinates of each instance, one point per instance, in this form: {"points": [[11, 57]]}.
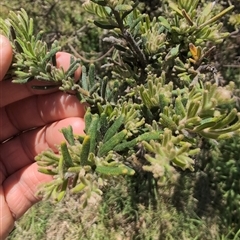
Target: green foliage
{"points": [[32, 58], [235, 20], [122, 214], [223, 168], [64, 21], [154, 103], [182, 111]]}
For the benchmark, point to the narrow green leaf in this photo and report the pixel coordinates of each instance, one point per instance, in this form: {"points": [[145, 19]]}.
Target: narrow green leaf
{"points": [[50, 55], [91, 76], [179, 107], [67, 159], [144, 137], [68, 134], [87, 119], [226, 120], [105, 25], [118, 170], [126, 13], [30, 27], [72, 68], [47, 171], [112, 130], [61, 167], [84, 81], [193, 109], [78, 188], [93, 132], [167, 122], [112, 142], [62, 192], [85, 151], [216, 17], [164, 22], [123, 7]]}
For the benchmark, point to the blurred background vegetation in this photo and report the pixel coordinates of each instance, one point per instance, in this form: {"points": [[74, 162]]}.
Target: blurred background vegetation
{"points": [[204, 205]]}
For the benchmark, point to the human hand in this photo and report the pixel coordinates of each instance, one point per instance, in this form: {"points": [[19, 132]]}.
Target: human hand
{"points": [[30, 120]]}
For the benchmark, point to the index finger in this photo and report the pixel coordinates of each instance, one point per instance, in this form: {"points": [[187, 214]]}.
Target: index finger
{"points": [[5, 56], [15, 92]]}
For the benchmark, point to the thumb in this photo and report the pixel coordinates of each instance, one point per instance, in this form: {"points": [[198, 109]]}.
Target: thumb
{"points": [[5, 56]]}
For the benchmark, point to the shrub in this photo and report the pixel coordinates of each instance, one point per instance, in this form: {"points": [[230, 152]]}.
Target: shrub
{"points": [[156, 106]]}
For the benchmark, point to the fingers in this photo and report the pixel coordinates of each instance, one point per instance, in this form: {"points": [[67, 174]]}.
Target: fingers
{"points": [[12, 92], [17, 195], [63, 60], [20, 189], [36, 111], [5, 56], [6, 218], [21, 150]]}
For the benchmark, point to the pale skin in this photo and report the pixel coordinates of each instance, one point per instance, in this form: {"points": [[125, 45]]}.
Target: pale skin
{"points": [[30, 121]]}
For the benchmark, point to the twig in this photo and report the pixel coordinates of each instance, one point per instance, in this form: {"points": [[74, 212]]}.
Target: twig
{"points": [[93, 60], [232, 65]]}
